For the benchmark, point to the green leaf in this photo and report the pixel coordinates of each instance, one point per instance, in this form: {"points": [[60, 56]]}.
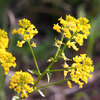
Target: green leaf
{"points": [[33, 72], [49, 76], [40, 92]]}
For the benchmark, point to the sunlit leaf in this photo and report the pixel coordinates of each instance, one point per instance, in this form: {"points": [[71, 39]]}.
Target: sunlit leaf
{"points": [[40, 92], [33, 72]]}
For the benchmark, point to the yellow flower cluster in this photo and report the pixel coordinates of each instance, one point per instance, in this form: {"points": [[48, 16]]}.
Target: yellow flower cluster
{"points": [[3, 39], [81, 70], [27, 31], [74, 29], [21, 82], [6, 58]]}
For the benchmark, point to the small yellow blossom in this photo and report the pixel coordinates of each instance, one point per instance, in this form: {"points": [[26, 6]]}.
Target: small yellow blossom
{"points": [[20, 83], [20, 44], [65, 73], [24, 23], [21, 31], [57, 43], [65, 65], [57, 28], [62, 21], [3, 39], [72, 44], [69, 84], [14, 31], [33, 44]]}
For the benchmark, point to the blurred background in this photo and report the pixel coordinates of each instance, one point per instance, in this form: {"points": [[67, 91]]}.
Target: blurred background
{"points": [[43, 14]]}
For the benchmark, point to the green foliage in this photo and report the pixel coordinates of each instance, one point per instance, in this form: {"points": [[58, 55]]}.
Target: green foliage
{"points": [[95, 34], [2, 80]]}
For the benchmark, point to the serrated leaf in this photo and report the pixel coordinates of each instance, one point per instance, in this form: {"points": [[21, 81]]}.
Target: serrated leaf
{"points": [[41, 93], [49, 76], [33, 72]]}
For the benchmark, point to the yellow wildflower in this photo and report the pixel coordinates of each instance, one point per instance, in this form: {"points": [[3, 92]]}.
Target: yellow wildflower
{"points": [[73, 29], [57, 43], [72, 44], [83, 67], [7, 60], [3, 39], [57, 28], [65, 65], [65, 73], [24, 23], [21, 31], [20, 83], [33, 44], [62, 21], [14, 31], [27, 31], [20, 44], [69, 84]]}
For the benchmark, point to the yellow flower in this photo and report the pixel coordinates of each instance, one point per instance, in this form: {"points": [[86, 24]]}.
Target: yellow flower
{"points": [[14, 31], [27, 31], [62, 21], [3, 39], [20, 83], [21, 31], [84, 26], [20, 44], [72, 44], [57, 28], [58, 43], [65, 73], [24, 23], [83, 68], [76, 30], [33, 44], [65, 65], [69, 84], [7, 60]]}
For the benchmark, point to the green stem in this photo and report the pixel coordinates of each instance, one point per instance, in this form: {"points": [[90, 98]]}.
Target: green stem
{"points": [[50, 65], [34, 58], [61, 69], [19, 97], [53, 83], [59, 45]]}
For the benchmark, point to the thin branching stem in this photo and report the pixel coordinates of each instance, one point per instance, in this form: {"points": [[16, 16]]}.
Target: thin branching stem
{"points": [[59, 45], [51, 64], [34, 58], [53, 83]]}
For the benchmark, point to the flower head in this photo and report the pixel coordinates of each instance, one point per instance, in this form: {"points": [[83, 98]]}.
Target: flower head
{"points": [[3, 39], [7, 60], [74, 29], [83, 67], [27, 31], [21, 82]]}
